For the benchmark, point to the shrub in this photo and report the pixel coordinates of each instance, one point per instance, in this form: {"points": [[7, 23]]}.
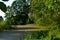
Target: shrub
{"points": [[45, 12], [4, 25], [36, 35], [52, 34]]}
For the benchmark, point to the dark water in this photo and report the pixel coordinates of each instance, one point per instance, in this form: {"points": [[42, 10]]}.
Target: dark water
{"points": [[13, 35]]}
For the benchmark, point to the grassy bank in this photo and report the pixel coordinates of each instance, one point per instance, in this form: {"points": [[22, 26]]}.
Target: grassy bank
{"points": [[52, 34]]}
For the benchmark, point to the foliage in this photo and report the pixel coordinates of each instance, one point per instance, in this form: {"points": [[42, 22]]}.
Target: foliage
{"points": [[36, 35], [45, 12], [4, 25], [3, 7], [40, 34], [18, 12], [52, 34]]}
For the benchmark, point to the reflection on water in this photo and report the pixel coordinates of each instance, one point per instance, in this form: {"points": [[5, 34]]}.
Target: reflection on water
{"points": [[10, 35]]}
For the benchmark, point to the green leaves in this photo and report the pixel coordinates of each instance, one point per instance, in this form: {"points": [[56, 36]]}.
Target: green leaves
{"points": [[18, 12], [3, 7], [45, 11]]}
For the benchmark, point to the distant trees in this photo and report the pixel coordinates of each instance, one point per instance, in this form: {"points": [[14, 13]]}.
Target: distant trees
{"points": [[18, 12], [45, 12]]}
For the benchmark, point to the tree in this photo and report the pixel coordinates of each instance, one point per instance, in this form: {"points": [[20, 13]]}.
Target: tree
{"points": [[45, 12], [3, 7], [18, 12]]}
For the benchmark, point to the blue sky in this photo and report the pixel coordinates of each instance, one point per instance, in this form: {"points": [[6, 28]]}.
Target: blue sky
{"points": [[7, 4]]}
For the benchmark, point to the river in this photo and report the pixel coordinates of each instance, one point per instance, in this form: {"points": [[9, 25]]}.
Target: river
{"points": [[13, 35]]}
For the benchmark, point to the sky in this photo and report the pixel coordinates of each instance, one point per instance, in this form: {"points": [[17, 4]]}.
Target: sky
{"points": [[7, 4]]}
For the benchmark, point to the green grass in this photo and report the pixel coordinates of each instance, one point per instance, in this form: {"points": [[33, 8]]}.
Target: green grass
{"points": [[45, 34]]}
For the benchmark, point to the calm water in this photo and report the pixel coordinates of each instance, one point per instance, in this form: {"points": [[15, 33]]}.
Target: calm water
{"points": [[13, 35]]}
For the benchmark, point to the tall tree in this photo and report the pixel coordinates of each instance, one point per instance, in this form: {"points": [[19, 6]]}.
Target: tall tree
{"points": [[19, 12], [45, 12]]}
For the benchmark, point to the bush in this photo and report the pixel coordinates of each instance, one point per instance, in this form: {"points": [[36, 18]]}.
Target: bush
{"points": [[52, 34], [4, 25], [45, 12], [37, 35]]}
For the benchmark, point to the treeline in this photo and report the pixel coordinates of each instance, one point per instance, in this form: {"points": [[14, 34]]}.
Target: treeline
{"points": [[41, 12]]}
